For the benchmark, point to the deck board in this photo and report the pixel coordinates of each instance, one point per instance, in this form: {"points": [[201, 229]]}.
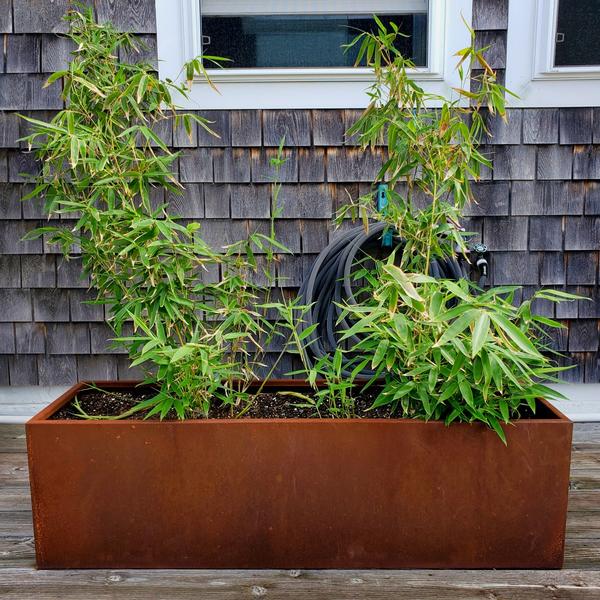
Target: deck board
{"points": [[580, 579]]}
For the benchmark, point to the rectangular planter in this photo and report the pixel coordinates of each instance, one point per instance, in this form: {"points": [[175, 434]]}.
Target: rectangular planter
{"points": [[297, 493]]}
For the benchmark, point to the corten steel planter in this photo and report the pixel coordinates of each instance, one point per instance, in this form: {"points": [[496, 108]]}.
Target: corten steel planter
{"points": [[297, 493]]}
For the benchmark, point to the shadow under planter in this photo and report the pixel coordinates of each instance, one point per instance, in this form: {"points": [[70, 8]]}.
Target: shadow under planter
{"points": [[297, 493]]}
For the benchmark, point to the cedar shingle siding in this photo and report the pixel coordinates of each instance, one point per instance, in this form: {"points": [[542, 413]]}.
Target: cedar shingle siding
{"points": [[539, 212]]}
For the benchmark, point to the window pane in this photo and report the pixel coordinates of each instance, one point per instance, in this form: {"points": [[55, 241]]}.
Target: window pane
{"points": [[577, 33], [288, 37]]}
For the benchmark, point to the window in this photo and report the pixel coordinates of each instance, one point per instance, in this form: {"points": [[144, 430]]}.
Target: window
{"points": [[577, 42], [288, 53], [553, 52], [262, 34]]}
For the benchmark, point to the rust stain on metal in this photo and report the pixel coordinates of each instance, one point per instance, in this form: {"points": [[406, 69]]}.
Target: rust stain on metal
{"points": [[297, 493]]}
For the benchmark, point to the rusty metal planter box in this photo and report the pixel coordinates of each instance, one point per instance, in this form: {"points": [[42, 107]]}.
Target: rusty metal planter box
{"points": [[297, 493]]}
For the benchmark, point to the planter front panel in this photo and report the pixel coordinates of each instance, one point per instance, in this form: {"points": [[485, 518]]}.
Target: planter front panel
{"points": [[298, 494]]}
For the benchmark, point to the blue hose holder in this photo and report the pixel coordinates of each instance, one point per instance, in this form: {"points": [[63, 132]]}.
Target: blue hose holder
{"points": [[382, 202]]}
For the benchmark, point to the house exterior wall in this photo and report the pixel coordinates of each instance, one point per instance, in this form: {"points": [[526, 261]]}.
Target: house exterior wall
{"points": [[539, 212]]}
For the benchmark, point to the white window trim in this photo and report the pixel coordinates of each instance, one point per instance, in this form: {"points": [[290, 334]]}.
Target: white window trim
{"points": [[530, 70], [179, 40]]}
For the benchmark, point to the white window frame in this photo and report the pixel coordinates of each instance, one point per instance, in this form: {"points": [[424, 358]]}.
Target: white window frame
{"points": [[178, 25], [530, 70]]}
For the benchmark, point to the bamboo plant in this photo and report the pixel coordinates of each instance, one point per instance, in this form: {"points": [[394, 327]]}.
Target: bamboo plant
{"points": [[103, 161]]}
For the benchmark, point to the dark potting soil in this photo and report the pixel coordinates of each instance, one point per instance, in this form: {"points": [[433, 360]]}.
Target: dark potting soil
{"points": [[266, 405]]}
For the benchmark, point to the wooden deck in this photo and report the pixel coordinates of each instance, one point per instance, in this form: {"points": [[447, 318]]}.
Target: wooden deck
{"points": [[579, 579]]}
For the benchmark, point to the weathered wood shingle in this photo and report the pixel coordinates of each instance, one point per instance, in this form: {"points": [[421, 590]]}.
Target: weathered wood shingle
{"points": [[23, 53], [575, 125], [490, 14], [32, 16], [6, 17], [133, 15], [539, 211], [20, 91], [540, 126]]}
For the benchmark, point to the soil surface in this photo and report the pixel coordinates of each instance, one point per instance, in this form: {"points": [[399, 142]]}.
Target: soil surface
{"points": [[266, 405]]}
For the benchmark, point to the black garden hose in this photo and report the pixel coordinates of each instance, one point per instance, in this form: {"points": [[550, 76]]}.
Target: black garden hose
{"points": [[328, 286]]}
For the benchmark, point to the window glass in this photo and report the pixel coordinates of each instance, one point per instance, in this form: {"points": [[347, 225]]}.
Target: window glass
{"points": [[289, 35], [578, 33]]}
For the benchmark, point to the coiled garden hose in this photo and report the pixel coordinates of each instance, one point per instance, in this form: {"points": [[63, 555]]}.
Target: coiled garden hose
{"points": [[329, 286]]}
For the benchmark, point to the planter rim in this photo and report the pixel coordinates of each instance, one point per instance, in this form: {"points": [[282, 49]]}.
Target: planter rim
{"points": [[43, 415]]}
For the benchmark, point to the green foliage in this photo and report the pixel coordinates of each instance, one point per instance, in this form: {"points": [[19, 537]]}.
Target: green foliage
{"points": [[103, 162], [433, 153], [443, 351], [439, 349]]}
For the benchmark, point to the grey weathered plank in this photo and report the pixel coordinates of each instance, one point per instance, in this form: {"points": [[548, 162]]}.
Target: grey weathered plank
{"points": [[14, 499], [583, 525], [338, 585], [585, 479], [12, 438], [13, 469], [17, 552], [15, 523], [579, 554], [585, 434]]}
